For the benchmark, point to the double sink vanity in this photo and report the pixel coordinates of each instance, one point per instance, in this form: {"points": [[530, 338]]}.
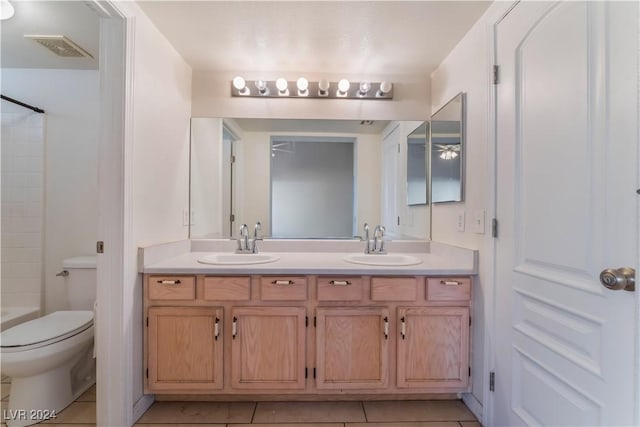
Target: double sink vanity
{"points": [[306, 319]]}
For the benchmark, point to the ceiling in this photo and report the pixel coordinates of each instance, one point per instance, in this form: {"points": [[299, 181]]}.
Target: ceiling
{"points": [[329, 37]]}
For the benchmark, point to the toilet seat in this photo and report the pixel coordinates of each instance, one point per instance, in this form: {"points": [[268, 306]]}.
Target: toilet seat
{"points": [[45, 330]]}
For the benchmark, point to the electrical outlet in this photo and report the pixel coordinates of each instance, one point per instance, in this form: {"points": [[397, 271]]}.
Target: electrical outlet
{"points": [[461, 221], [478, 221]]}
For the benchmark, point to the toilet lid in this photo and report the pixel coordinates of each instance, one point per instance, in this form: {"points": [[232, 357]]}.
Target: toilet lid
{"points": [[52, 327]]}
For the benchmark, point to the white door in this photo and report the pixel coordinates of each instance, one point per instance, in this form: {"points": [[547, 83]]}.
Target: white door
{"points": [[390, 182], [567, 165]]}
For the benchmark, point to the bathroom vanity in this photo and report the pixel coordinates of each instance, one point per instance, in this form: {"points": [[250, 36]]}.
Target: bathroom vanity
{"points": [[309, 325]]}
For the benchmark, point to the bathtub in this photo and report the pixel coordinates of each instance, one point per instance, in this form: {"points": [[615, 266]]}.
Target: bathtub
{"points": [[11, 316]]}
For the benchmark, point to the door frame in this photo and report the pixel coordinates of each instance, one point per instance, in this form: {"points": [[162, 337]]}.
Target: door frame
{"points": [[488, 404], [117, 265]]}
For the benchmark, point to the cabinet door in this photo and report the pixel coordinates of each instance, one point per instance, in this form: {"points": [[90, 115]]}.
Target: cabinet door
{"points": [[433, 348], [268, 347], [184, 349], [352, 348]]}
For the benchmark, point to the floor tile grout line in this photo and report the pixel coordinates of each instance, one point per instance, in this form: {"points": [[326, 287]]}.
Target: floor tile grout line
{"points": [[255, 409], [364, 412]]}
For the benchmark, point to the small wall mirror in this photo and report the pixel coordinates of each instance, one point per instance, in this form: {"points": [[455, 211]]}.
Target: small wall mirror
{"points": [[447, 143], [417, 165]]}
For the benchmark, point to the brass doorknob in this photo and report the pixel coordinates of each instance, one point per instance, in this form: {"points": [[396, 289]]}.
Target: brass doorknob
{"points": [[619, 278]]}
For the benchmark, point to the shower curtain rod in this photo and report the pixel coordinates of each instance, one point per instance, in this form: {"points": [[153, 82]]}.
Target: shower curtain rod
{"points": [[22, 104]]}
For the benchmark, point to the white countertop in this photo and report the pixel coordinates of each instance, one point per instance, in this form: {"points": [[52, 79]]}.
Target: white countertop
{"points": [[443, 262]]}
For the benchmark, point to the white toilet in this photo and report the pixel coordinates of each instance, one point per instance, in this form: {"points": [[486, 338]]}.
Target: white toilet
{"points": [[50, 359]]}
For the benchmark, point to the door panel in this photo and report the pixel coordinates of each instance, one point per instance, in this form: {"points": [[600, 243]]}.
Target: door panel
{"points": [[268, 347], [352, 348], [566, 179]]}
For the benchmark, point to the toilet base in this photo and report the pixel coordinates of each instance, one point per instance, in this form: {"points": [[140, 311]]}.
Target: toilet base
{"points": [[41, 397]]}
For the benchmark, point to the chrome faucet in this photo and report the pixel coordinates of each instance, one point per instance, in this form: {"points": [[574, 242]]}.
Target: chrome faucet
{"points": [[243, 239], [256, 228], [378, 234], [245, 245], [367, 248]]}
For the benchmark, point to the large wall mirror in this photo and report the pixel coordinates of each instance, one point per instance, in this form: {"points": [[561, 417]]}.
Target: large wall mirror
{"points": [[447, 152], [417, 143], [301, 178]]}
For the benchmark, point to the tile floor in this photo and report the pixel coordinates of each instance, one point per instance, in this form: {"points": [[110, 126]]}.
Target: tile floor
{"points": [[440, 413]]}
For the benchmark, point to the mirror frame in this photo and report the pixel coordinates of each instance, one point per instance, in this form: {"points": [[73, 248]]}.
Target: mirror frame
{"points": [[459, 97]]}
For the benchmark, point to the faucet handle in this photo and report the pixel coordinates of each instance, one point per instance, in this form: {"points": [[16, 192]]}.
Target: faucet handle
{"points": [[256, 228]]}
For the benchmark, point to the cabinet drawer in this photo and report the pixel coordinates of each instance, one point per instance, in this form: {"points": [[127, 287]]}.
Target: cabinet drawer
{"points": [[283, 288], [339, 289], [227, 288], [172, 288], [394, 289], [448, 289]]}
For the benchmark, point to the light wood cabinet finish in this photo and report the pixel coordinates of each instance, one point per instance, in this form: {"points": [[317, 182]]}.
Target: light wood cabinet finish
{"points": [[227, 288], [352, 349], [185, 348], [433, 347], [172, 288], [312, 337], [394, 289], [267, 349], [340, 289], [283, 288]]}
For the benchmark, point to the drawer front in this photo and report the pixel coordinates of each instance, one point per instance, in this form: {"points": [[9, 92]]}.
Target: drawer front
{"points": [[283, 288], [227, 288], [394, 289], [340, 289], [172, 287], [448, 289]]}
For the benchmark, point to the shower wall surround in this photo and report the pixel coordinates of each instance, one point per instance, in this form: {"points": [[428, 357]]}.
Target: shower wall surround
{"points": [[22, 214]]}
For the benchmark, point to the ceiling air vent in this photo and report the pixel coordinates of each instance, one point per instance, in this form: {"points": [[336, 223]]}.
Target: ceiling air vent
{"points": [[61, 46]]}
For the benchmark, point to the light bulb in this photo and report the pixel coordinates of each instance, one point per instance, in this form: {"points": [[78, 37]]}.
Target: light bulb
{"points": [[323, 86], [364, 87], [303, 85], [282, 85], [385, 87], [6, 10], [343, 86], [239, 83], [261, 85]]}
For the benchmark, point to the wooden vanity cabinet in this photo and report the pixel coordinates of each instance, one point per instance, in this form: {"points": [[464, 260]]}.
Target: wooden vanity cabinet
{"points": [[184, 349], [311, 335]]}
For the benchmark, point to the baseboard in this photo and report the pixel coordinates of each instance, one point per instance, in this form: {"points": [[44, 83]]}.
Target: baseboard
{"points": [[473, 404], [141, 406]]}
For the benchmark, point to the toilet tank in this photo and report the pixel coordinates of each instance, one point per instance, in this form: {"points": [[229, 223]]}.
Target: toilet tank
{"points": [[80, 282]]}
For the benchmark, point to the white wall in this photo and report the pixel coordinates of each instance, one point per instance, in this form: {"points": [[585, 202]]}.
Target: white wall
{"points": [[467, 69], [70, 99], [161, 111]]}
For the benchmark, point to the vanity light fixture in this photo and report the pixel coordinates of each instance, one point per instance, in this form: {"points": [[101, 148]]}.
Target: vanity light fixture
{"points": [[303, 88]]}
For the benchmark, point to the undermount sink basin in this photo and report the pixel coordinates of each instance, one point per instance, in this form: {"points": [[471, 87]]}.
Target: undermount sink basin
{"points": [[383, 259], [238, 259]]}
